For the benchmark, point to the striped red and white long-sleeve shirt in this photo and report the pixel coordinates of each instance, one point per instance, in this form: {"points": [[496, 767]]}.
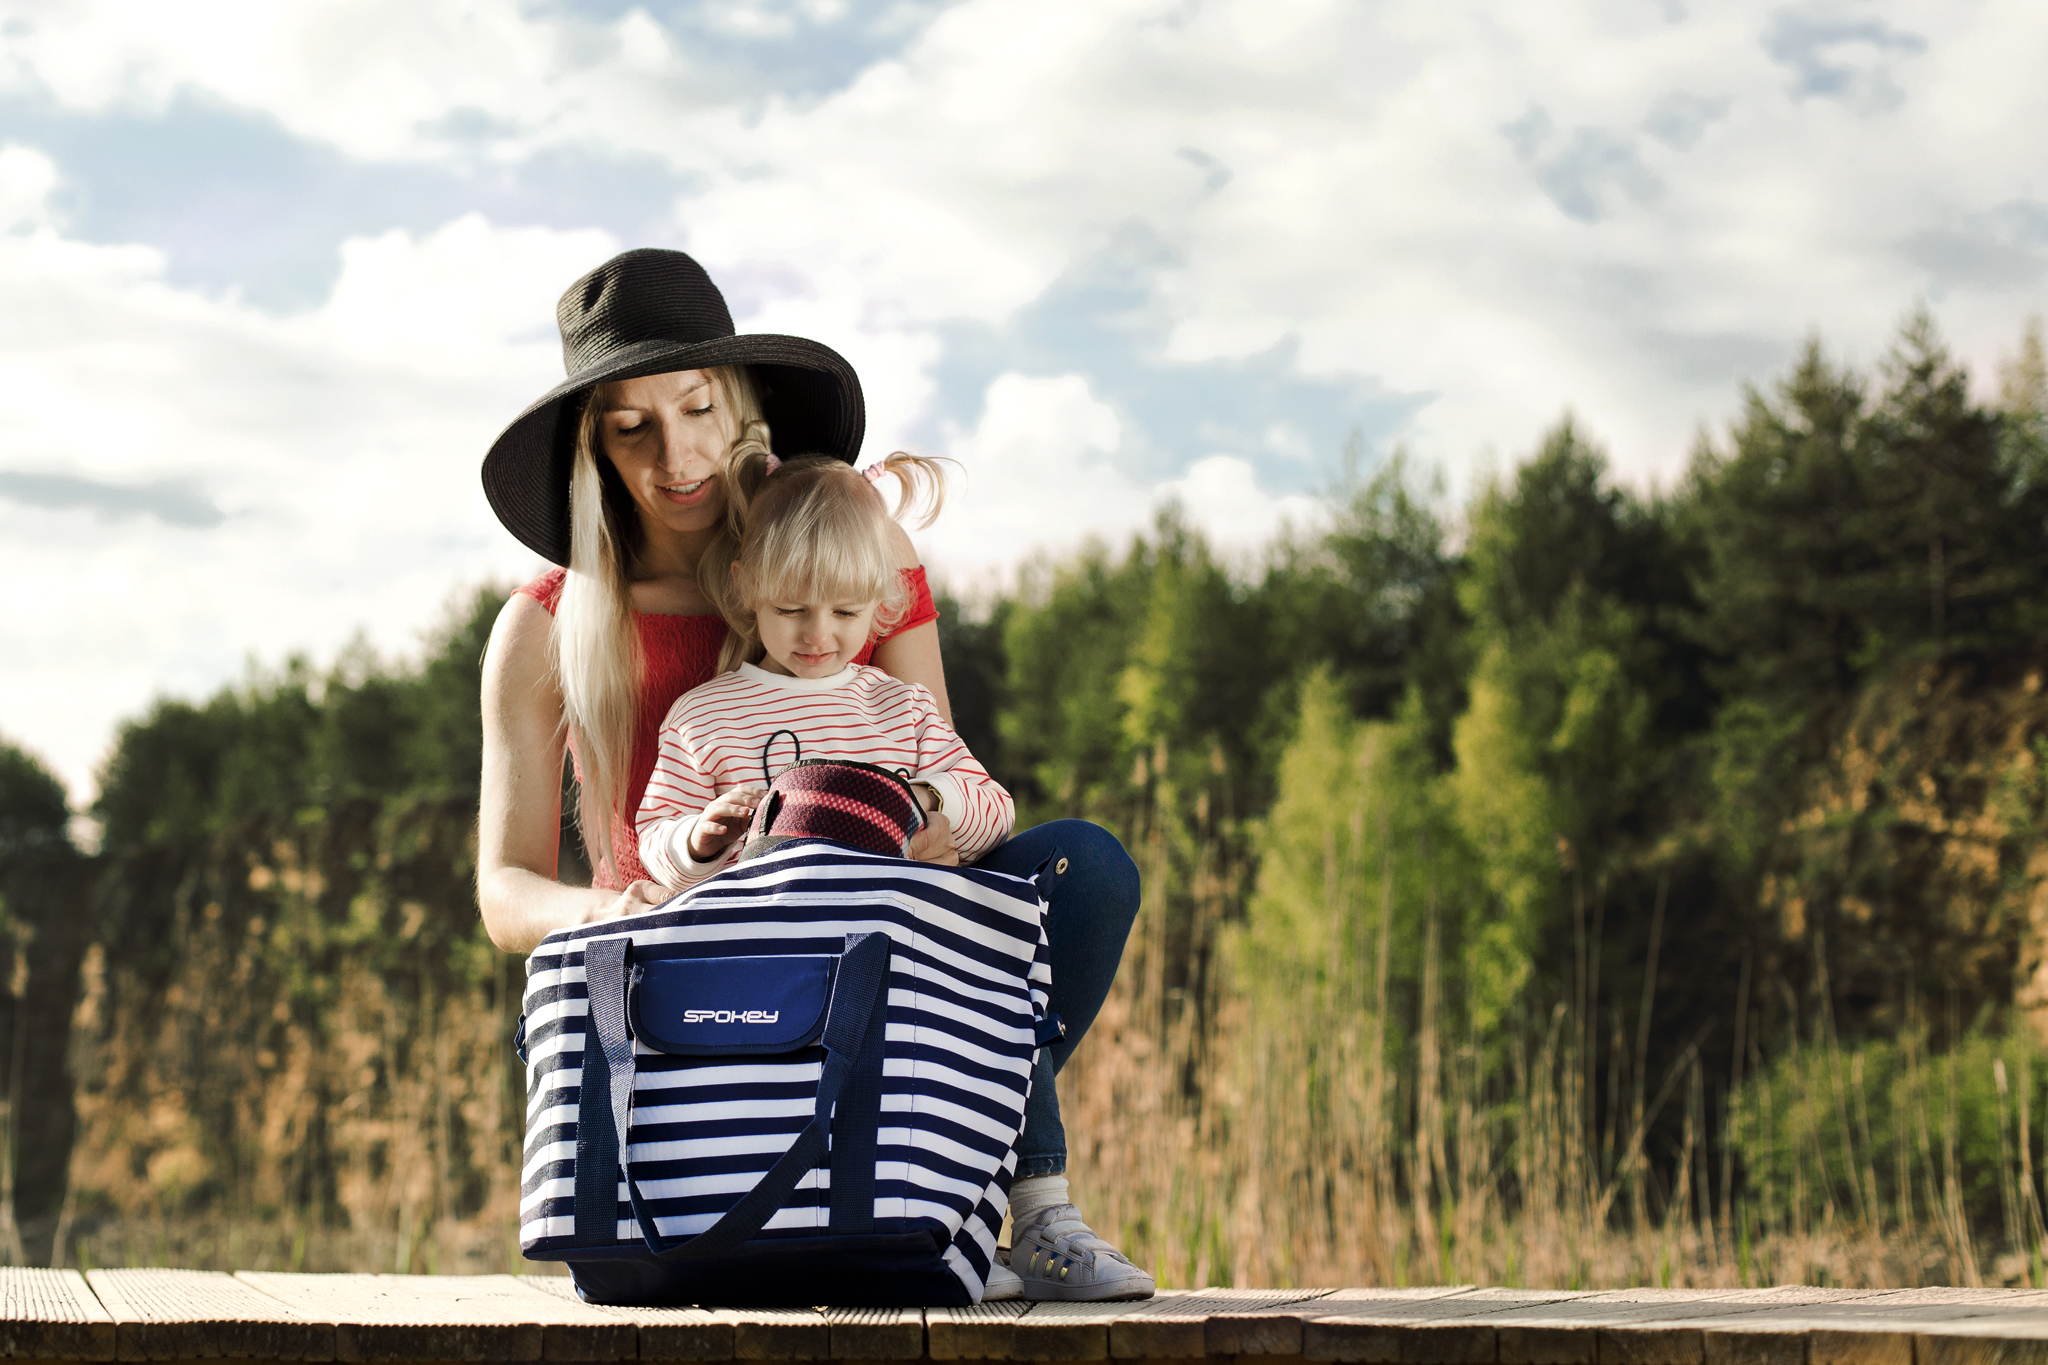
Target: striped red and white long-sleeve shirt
{"points": [[713, 737]]}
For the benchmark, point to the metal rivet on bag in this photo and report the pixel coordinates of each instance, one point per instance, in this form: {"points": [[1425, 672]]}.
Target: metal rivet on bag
{"points": [[1059, 869]]}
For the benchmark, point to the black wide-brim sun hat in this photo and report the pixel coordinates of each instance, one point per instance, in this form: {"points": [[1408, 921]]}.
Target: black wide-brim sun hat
{"points": [[650, 312]]}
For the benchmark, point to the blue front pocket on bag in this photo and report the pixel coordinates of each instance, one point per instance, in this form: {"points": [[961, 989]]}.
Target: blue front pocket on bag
{"points": [[730, 1006]]}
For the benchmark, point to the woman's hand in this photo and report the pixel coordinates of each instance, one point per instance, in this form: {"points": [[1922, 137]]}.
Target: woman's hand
{"points": [[934, 843], [723, 821], [636, 899]]}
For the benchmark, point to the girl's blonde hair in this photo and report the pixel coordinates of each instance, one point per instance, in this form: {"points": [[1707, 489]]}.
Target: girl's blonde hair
{"points": [[818, 529], [598, 661]]}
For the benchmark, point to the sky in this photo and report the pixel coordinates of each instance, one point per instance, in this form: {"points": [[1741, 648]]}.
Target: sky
{"points": [[272, 276]]}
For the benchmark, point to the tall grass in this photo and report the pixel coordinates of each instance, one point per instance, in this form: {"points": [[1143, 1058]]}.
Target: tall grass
{"points": [[1251, 1117], [1311, 1091]]}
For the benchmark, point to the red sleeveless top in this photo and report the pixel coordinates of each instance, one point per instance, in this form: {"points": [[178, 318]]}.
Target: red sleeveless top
{"points": [[681, 652]]}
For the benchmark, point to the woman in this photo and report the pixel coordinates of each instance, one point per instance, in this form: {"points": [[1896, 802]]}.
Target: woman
{"points": [[634, 474]]}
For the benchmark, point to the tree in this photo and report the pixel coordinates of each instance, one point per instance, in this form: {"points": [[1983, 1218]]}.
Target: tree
{"points": [[33, 810]]}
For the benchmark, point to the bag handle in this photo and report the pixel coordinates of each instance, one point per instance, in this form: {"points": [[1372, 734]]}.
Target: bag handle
{"points": [[853, 1042]]}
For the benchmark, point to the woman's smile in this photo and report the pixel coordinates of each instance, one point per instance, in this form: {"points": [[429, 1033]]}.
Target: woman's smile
{"points": [[686, 494]]}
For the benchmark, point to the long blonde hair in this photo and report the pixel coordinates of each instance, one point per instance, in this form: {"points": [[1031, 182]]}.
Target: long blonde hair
{"points": [[819, 527], [598, 661]]}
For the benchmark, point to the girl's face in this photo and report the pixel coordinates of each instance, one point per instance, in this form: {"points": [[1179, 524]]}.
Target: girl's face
{"points": [[666, 435], [812, 639]]}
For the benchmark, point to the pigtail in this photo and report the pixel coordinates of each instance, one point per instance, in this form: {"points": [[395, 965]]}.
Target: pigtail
{"points": [[920, 481]]}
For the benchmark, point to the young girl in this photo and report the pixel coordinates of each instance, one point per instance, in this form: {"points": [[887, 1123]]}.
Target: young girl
{"points": [[814, 582]]}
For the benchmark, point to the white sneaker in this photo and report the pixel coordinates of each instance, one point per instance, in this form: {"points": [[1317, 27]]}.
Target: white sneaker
{"points": [[1003, 1283], [1059, 1256]]}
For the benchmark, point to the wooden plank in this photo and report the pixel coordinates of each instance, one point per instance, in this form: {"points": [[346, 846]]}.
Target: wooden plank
{"points": [[1064, 1331], [1418, 1294], [1670, 1327], [161, 1315], [1852, 1346], [1866, 1327], [1170, 1326], [1759, 1345], [1440, 1328], [982, 1332], [568, 1331], [402, 1318], [1961, 1294], [1806, 1341], [1538, 1345], [697, 1334], [1279, 1328], [730, 1333], [1261, 1329], [1556, 1331], [1799, 1325], [203, 1315], [780, 1334], [1662, 1344], [1780, 1295], [1174, 1325], [876, 1333], [2016, 1338], [1803, 1308], [52, 1315]]}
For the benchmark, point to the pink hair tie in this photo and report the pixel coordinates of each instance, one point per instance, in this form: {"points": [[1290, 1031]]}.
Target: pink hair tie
{"points": [[774, 463], [876, 471]]}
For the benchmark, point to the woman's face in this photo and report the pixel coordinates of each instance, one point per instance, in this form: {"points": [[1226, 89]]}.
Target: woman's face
{"points": [[666, 435]]}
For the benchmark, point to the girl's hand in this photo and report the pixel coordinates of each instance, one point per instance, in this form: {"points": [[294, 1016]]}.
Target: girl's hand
{"points": [[636, 899], [934, 843], [723, 821]]}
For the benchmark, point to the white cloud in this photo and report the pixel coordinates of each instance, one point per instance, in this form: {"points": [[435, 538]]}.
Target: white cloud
{"points": [[1690, 204], [342, 449], [27, 180], [1037, 472], [1034, 472], [1221, 495]]}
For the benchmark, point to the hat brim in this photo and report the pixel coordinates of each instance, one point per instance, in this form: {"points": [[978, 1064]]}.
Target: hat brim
{"points": [[810, 397]]}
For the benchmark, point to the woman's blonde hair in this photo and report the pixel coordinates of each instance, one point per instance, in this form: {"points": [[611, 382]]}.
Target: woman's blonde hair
{"points": [[598, 661], [818, 529]]}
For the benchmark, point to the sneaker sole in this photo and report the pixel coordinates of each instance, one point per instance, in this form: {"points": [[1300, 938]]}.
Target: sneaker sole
{"points": [[1044, 1292]]}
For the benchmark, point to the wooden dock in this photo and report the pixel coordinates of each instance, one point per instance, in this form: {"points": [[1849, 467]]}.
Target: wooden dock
{"points": [[165, 1315]]}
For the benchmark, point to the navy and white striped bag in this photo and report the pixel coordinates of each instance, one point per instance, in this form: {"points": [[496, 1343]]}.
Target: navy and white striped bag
{"points": [[815, 1066]]}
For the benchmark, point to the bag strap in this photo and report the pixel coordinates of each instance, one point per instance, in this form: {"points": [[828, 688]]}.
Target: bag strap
{"points": [[597, 1142], [855, 1023], [857, 1123]]}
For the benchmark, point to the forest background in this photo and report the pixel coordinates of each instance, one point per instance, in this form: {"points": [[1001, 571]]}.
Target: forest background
{"points": [[1578, 885]]}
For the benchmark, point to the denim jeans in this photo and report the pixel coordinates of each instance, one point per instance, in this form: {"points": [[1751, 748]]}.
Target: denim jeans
{"points": [[1093, 907]]}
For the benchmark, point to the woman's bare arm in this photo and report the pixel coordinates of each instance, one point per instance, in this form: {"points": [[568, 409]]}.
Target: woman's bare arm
{"points": [[913, 656], [519, 819]]}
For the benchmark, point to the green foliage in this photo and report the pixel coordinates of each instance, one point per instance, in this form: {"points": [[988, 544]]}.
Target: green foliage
{"points": [[972, 646], [33, 810], [1843, 533], [2023, 412], [1360, 853], [1891, 1134], [294, 740]]}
